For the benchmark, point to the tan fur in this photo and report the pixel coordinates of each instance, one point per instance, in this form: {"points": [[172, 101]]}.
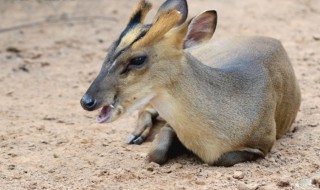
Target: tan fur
{"points": [[143, 8], [165, 22], [128, 38], [224, 125], [236, 94]]}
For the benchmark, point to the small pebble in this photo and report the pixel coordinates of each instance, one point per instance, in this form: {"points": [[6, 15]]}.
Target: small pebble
{"points": [[313, 125], [24, 68], [238, 175], [152, 166], [283, 183], [51, 171], [316, 38], [13, 50], [200, 182], [11, 167], [176, 166], [243, 186]]}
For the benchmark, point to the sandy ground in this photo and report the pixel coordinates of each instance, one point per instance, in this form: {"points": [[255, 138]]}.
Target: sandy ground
{"points": [[48, 142]]}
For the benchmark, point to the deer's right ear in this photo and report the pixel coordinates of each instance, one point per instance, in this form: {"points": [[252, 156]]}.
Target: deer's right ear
{"points": [[179, 5], [201, 29]]}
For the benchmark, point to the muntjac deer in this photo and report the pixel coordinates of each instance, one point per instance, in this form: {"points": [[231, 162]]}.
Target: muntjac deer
{"points": [[226, 101]]}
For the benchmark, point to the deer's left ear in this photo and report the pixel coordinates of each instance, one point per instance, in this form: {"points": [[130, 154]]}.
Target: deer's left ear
{"points": [[179, 5], [200, 29]]}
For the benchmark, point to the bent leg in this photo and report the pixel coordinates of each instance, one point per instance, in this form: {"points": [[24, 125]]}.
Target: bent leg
{"points": [[145, 123], [161, 145], [234, 157]]}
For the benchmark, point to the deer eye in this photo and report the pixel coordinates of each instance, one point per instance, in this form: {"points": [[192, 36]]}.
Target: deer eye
{"points": [[137, 62]]}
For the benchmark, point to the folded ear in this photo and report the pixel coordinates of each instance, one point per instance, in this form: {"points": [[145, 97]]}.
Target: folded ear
{"points": [[201, 29], [179, 5]]}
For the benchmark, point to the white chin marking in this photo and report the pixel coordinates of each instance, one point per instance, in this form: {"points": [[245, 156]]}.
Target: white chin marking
{"points": [[140, 103]]}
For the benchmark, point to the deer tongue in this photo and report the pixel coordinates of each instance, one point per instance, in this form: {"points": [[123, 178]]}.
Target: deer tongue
{"points": [[105, 114]]}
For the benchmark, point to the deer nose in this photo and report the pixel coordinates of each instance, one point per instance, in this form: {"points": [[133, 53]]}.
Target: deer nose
{"points": [[88, 103]]}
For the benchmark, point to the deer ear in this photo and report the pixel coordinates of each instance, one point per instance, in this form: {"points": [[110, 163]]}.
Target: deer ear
{"points": [[179, 5], [201, 29]]}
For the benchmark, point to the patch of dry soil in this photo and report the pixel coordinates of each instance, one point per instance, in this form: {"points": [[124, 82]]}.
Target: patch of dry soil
{"points": [[48, 142]]}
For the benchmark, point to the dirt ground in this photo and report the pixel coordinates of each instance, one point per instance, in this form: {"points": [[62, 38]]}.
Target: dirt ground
{"points": [[47, 141]]}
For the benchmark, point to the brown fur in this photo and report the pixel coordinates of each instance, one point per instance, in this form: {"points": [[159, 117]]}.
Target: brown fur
{"points": [[229, 96], [235, 115], [165, 22]]}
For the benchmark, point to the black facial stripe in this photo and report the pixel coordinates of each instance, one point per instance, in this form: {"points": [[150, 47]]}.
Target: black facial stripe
{"points": [[143, 33], [136, 19]]}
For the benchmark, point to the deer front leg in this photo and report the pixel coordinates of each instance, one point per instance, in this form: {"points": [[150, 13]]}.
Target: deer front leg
{"points": [[161, 145], [145, 123]]}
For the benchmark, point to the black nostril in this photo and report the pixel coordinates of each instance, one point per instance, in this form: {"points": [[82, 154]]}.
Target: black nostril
{"points": [[88, 103]]}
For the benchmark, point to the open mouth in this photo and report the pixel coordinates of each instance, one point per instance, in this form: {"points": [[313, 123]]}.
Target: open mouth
{"points": [[106, 112]]}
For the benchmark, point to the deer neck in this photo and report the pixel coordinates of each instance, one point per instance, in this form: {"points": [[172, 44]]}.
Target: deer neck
{"points": [[186, 98], [190, 105]]}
